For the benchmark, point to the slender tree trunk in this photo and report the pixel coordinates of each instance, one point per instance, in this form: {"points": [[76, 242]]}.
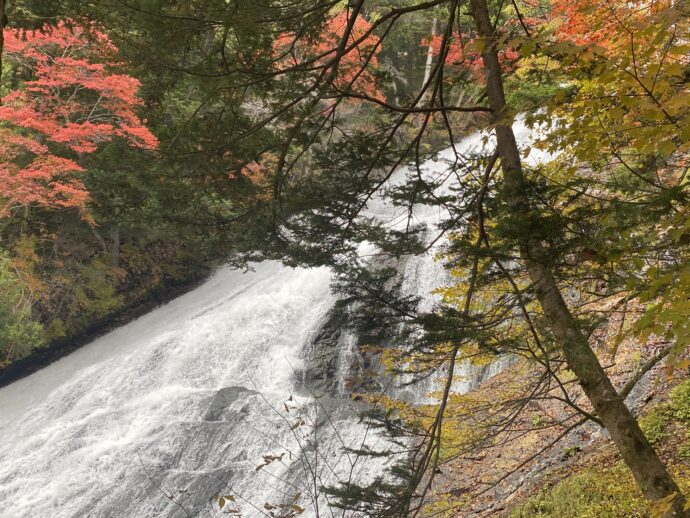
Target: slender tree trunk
{"points": [[427, 68], [3, 23], [115, 247], [429, 53], [648, 470], [99, 238]]}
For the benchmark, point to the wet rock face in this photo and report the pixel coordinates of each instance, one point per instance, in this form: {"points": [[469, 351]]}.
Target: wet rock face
{"points": [[320, 373], [223, 399], [335, 365]]}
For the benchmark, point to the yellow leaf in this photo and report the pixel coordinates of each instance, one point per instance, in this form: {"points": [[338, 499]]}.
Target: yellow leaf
{"points": [[667, 147], [674, 69], [681, 100]]}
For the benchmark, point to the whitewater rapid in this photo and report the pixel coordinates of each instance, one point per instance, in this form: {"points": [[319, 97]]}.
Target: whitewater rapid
{"points": [[135, 400], [203, 397]]}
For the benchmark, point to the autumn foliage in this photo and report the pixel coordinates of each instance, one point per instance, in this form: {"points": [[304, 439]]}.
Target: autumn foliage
{"points": [[463, 53], [69, 100], [606, 25], [353, 72]]}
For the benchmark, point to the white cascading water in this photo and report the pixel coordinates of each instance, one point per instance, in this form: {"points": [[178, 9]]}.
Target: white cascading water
{"points": [[199, 398]]}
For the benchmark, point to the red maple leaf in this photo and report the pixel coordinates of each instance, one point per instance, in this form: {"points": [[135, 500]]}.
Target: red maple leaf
{"points": [[354, 70], [73, 101]]}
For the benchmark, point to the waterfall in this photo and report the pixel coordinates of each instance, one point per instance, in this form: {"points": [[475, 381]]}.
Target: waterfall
{"points": [[203, 397]]}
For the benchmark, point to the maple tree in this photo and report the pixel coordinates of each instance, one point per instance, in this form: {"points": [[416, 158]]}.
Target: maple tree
{"points": [[633, 113], [593, 23], [464, 53], [352, 71], [71, 100]]}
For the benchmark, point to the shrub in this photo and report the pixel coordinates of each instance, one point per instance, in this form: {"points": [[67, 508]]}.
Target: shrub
{"points": [[655, 424], [680, 402], [594, 493], [19, 333]]}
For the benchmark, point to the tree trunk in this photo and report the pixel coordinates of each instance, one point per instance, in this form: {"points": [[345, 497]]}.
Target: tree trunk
{"points": [[648, 470], [429, 54], [99, 238], [3, 24], [115, 247]]}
